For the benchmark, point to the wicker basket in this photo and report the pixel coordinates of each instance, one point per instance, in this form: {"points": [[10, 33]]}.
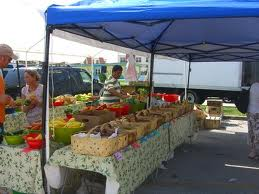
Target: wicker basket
{"points": [[123, 140], [132, 136], [139, 128], [180, 109], [166, 114], [153, 122], [96, 146]]}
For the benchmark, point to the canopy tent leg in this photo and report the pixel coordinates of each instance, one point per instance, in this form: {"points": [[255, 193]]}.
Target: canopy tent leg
{"points": [[19, 78], [189, 72], [185, 81], [188, 80], [151, 70], [45, 106]]}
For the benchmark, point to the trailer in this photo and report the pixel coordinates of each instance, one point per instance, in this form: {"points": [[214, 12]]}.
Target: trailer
{"points": [[207, 79]]}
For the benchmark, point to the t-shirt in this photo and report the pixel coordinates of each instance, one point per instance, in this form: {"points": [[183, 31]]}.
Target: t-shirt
{"points": [[2, 92], [34, 114], [107, 97], [253, 106]]}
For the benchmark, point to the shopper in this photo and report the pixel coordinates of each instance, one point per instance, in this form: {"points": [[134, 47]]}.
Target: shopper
{"points": [[112, 90], [253, 121], [32, 93], [6, 55]]}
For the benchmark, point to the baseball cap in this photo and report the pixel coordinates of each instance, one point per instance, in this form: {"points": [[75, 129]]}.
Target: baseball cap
{"points": [[6, 50]]}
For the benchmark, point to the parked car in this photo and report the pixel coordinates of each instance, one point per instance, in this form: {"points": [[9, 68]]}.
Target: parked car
{"points": [[66, 80]]}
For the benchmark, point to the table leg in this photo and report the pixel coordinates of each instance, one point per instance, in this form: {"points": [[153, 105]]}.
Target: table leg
{"points": [[112, 186], [65, 179]]}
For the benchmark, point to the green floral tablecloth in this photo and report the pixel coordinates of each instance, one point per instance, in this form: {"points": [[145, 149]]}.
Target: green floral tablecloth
{"points": [[15, 121], [134, 164], [20, 171]]}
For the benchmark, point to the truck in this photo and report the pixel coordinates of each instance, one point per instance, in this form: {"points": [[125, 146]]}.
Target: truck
{"points": [[225, 80]]}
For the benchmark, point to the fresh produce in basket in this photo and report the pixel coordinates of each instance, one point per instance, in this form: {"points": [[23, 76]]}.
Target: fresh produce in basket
{"points": [[155, 120], [135, 130], [19, 102], [84, 97], [57, 123], [102, 140], [64, 100], [167, 114], [72, 123], [34, 140], [35, 126], [14, 137], [63, 130]]}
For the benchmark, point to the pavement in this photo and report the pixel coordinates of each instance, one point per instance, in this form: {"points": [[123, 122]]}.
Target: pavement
{"points": [[216, 163]]}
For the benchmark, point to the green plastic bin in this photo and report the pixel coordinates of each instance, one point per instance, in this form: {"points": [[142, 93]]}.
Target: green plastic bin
{"points": [[63, 135]]}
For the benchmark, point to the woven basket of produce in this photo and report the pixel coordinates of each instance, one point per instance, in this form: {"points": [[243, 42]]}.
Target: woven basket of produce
{"points": [[135, 130], [179, 109], [168, 116], [98, 141], [142, 126], [123, 140], [154, 121]]}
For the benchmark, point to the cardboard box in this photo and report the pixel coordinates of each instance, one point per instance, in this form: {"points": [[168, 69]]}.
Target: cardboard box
{"points": [[214, 110], [212, 122], [94, 118], [214, 103]]}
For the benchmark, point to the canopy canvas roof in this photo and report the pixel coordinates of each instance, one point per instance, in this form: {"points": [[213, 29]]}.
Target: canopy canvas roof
{"points": [[192, 30]]}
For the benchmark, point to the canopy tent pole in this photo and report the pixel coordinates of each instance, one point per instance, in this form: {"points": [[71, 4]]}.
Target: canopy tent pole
{"points": [[151, 70], [92, 68], [19, 78], [45, 106], [189, 72], [185, 81]]}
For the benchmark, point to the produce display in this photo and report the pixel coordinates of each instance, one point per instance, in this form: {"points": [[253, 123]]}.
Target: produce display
{"points": [[64, 100], [84, 97], [104, 140], [35, 126], [32, 136], [14, 138], [69, 99], [88, 122], [34, 140], [63, 129]]}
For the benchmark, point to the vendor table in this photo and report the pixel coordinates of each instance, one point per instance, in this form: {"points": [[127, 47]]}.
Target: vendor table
{"points": [[20, 171], [126, 172]]}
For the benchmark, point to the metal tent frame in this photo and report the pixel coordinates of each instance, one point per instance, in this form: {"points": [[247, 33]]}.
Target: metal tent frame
{"points": [[216, 30]]}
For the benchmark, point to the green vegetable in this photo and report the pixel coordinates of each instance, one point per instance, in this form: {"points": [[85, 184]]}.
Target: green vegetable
{"points": [[27, 102], [102, 77], [68, 111], [16, 132], [143, 91]]}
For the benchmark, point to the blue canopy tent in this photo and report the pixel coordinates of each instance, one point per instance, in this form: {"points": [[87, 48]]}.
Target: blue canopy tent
{"points": [[190, 30]]}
